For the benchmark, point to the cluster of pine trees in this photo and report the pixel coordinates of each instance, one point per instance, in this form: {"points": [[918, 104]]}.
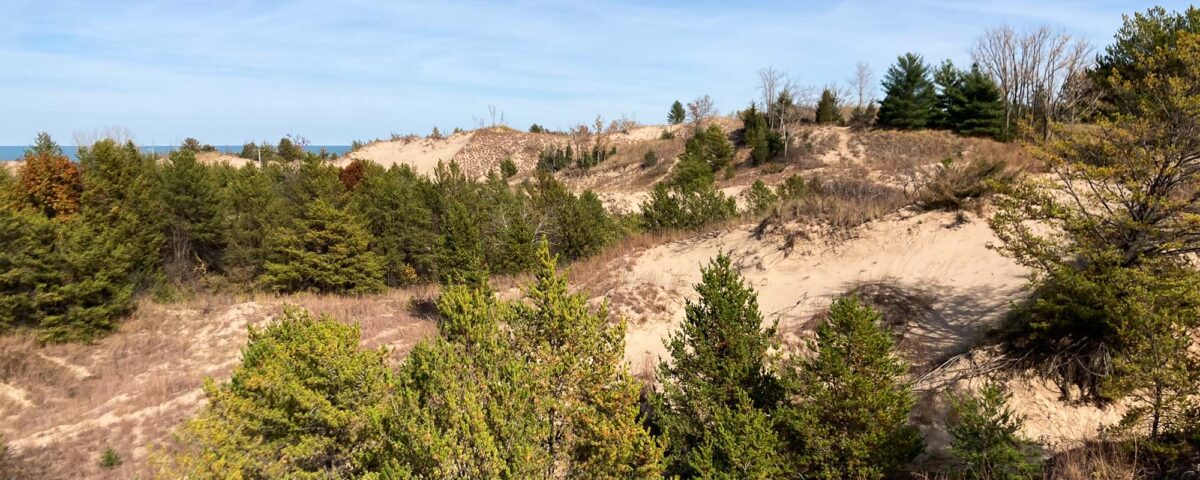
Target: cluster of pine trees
{"points": [[83, 239], [538, 388], [967, 102]]}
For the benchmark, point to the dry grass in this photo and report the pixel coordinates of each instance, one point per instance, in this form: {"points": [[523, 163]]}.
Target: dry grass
{"points": [[131, 389], [1095, 461], [963, 184], [840, 200], [895, 151]]}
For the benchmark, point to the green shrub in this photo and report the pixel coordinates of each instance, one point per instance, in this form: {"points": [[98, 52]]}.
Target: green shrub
{"points": [[829, 111], [324, 250], [850, 419], [686, 209], [760, 198], [110, 459], [650, 159], [303, 403], [508, 168], [985, 438]]}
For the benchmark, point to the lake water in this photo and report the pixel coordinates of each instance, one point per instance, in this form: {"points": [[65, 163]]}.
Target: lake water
{"points": [[14, 152]]}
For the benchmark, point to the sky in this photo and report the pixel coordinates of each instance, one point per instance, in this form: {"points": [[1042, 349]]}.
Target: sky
{"points": [[228, 72]]}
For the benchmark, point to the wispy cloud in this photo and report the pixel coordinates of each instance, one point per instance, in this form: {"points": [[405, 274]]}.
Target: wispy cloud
{"points": [[227, 72]]}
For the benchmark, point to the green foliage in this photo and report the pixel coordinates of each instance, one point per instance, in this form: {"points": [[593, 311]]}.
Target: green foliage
{"points": [[677, 115], [829, 110], [194, 223], [326, 250], [303, 403], [650, 159], [1121, 206], [43, 144], [110, 459], [535, 128], [850, 419], [717, 392], [968, 102], [793, 188], [760, 198], [666, 135], [552, 159], [29, 269], [548, 396], [1141, 36], [909, 95], [676, 208], [986, 443], [508, 168], [765, 144], [1154, 318], [710, 146], [392, 207]]}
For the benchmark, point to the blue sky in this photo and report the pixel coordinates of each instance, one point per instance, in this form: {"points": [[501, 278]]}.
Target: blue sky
{"points": [[227, 72]]}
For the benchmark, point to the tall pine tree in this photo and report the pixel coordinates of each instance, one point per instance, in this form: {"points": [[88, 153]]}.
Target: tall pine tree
{"points": [[717, 391], [849, 418], [909, 95], [324, 250]]}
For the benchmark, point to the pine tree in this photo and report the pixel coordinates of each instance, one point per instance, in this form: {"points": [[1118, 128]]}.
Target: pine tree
{"points": [[251, 204], [302, 403], [392, 205], [909, 95], [948, 80], [591, 399], [521, 390], [765, 144], [717, 390], [677, 115], [986, 443], [194, 226], [323, 250], [829, 111], [48, 181], [851, 416], [979, 110], [29, 268]]}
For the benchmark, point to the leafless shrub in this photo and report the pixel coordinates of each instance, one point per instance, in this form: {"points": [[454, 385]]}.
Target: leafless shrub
{"points": [[1096, 461], [841, 201], [962, 184]]}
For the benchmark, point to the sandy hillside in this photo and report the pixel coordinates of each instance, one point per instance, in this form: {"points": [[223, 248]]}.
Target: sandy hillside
{"points": [[62, 405], [956, 286], [13, 166], [215, 158]]}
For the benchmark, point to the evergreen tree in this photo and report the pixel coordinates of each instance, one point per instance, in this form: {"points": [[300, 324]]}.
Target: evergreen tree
{"points": [[850, 418], [677, 114], [829, 111], [591, 400], [711, 146], [979, 110], [251, 205], [717, 392], [948, 80], [48, 181], [302, 403], [985, 440], [29, 268], [324, 250], [760, 198], [968, 103], [460, 256], [765, 144], [391, 204], [521, 390], [43, 145], [909, 95], [194, 226]]}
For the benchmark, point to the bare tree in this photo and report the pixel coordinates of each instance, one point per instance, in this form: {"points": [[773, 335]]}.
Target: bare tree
{"points": [[862, 82], [1032, 68], [701, 110]]}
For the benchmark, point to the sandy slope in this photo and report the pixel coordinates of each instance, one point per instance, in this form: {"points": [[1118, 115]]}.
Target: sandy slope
{"points": [[422, 154], [62, 405]]}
